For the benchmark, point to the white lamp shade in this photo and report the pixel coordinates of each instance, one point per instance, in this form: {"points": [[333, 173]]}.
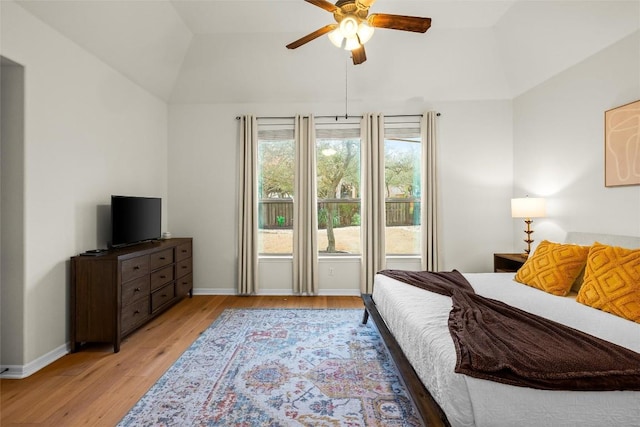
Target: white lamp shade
{"points": [[352, 43], [349, 26], [528, 207], [336, 37], [365, 31]]}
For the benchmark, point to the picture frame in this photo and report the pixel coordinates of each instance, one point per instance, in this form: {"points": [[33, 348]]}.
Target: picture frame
{"points": [[622, 145]]}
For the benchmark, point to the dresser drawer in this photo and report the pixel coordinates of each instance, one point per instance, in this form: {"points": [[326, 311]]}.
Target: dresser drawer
{"points": [[184, 285], [160, 259], [135, 314], [162, 296], [184, 267], [183, 251], [161, 277], [134, 268], [135, 289]]}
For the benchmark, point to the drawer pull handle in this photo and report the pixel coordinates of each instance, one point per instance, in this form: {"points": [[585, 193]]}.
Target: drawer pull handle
{"points": [[136, 312], [184, 266], [163, 295], [136, 267], [163, 277], [162, 258], [184, 251], [136, 290]]}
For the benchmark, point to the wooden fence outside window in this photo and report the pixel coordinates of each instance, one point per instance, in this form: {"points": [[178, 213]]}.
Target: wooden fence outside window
{"points": [[278, 213]]}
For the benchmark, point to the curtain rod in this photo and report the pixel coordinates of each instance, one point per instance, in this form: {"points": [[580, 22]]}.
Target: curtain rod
{"points": [[336, 116]]}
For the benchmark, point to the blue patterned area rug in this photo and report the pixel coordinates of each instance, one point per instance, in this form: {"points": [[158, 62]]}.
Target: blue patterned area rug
{"points": [[280, 367]]}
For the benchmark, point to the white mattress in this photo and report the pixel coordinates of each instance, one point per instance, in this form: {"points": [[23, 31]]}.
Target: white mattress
{"points": [[418, 320]]}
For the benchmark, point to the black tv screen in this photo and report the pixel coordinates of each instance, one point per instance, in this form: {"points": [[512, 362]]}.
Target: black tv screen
{"points": [[135, 219]]}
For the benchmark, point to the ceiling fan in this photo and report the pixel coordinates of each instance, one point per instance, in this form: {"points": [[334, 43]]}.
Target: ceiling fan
{"points": [[355, 26]]}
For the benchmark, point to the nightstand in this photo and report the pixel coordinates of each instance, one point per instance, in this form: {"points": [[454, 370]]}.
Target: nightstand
{"points": [[508, 262]]}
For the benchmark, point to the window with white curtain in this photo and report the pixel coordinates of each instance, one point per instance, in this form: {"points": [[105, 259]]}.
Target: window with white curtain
{"points": [[403, 166]]}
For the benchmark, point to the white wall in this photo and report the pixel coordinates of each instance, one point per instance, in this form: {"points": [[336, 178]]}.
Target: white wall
{"points": [[12, 209], [559, 145], [476, 183], [89, 133], [475, 177]]}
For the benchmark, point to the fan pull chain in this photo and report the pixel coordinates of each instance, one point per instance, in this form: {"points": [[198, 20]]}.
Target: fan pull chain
{"points": [[346, 89]]}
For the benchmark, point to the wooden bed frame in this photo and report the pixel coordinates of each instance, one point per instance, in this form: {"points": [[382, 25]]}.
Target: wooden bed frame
{"points": [[428, 409]]}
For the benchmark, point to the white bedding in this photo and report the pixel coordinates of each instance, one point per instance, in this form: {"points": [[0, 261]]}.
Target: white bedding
{"points": [[418, 320]]}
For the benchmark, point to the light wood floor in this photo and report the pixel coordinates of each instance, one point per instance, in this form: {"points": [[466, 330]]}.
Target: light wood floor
{"points": [[98, 387]]}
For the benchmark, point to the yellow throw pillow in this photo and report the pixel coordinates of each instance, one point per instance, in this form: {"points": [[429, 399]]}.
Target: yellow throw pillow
{"points": [[612, 281], [553, 267]]}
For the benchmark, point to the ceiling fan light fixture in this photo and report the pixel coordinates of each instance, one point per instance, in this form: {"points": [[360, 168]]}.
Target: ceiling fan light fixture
{"points": [[336, 38], [365, 32], [352, 43], [354, 26]]}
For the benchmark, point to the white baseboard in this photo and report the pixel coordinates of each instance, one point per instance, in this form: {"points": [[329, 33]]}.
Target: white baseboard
{"points": [[17, 372], [339, 293], [216, 291]]}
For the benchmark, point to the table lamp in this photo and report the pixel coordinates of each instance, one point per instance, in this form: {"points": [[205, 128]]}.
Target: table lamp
{"points": [[527, 208]]}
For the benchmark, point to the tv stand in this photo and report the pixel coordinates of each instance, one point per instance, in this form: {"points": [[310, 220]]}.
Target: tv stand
{"points": [[115, 293]]}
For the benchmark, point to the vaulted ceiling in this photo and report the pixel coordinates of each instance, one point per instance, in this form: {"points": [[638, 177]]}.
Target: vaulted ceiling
{"points": [[219, 51]]}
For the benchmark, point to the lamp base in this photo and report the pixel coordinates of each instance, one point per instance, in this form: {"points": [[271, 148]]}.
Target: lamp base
{"points": [[528, 231]]}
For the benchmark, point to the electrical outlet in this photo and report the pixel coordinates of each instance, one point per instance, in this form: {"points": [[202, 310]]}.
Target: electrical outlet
{"points": [[330, 271]]}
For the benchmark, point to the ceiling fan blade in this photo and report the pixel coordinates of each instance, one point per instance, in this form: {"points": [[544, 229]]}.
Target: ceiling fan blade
{"points": [[358, 55], [400, 22], [311, 36], [329, 7], [365, 3]]}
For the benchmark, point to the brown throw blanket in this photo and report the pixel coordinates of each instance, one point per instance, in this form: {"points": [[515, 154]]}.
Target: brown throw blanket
{"points": [[498, 342]]}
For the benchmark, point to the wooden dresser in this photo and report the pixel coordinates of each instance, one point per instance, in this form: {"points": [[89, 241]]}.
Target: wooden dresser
{"points": [[114, 293]]}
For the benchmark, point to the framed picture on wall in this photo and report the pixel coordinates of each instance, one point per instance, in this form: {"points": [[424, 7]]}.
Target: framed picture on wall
{"points": [[622, 145]]}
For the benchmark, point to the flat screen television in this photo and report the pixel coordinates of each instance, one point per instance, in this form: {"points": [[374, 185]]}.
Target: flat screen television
{"points": [[135, 219]]}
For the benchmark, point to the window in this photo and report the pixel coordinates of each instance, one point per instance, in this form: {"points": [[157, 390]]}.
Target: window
{"points": [[402, 157], [276, 154], [338, 187]]}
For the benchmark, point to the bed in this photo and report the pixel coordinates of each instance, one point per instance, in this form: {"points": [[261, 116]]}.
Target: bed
{"points": [[414, 324]]}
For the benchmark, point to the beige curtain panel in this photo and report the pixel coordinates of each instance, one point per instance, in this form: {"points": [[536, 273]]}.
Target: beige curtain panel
{"points": [[373, 201], [305, 213], [248, 207], [305, 218], [429, 200]]}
